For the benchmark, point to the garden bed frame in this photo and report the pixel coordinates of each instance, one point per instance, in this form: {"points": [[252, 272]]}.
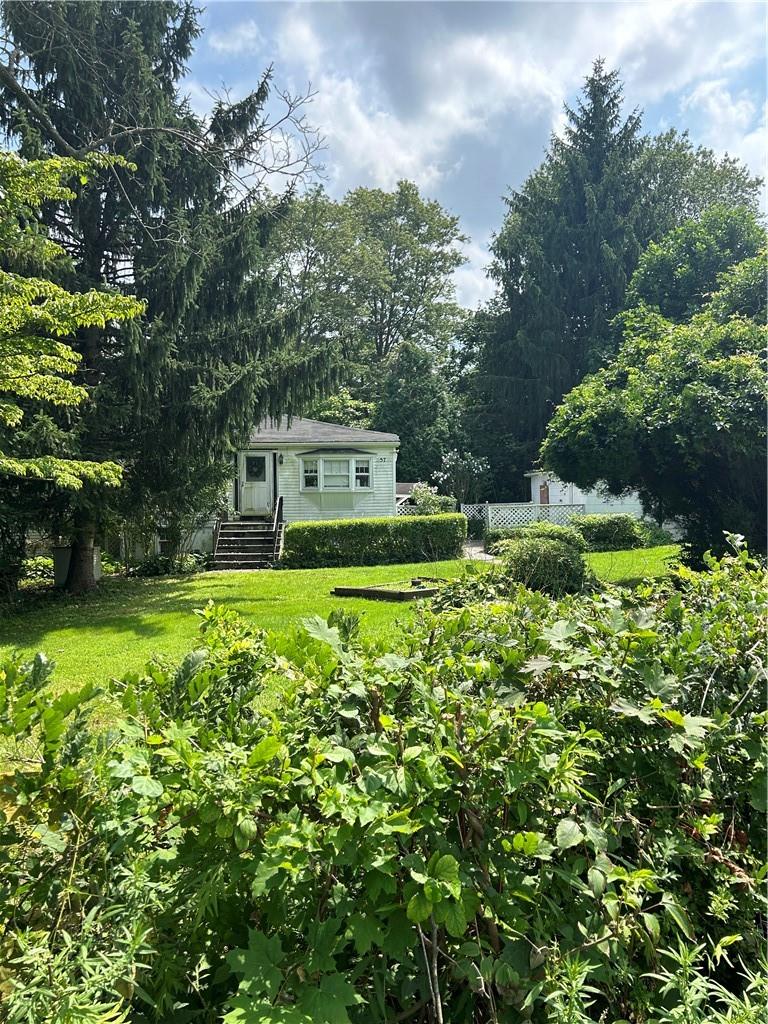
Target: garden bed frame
{"points": [[413, 592]]}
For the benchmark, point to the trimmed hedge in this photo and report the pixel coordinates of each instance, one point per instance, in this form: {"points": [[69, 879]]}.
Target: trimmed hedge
{"points": [[376, 541], [614, 531], [541, 530], [548, 565]]}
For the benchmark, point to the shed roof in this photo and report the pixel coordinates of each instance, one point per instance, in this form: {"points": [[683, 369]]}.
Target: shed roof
{"points": [[300, 430]]}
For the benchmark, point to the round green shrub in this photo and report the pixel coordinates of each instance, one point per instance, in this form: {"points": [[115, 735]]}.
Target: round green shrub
{"points": [[655, 536], [543, 530], [612, 531], [548, 565]]}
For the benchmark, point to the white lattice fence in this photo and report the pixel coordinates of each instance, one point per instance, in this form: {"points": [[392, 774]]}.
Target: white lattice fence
{"points": [[474, 513], [521, 514], [406, 510]]}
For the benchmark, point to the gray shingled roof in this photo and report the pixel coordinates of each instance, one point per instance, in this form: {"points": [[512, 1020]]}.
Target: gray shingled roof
{"points": [[304, 431]]}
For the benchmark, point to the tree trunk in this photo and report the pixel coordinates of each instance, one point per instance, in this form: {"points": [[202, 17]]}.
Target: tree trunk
{"points": [[80, 577]]}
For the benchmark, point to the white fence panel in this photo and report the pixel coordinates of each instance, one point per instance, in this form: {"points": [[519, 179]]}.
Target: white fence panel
{"points": [[511, 514], [522, 514], [475, 513]]}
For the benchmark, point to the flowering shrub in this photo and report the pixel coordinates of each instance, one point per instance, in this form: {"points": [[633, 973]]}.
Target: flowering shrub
{"points": [[428, 502]]}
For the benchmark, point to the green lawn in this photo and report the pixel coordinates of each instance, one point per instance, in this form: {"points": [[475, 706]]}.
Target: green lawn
{"points": [[126, 622], [632, 566]]}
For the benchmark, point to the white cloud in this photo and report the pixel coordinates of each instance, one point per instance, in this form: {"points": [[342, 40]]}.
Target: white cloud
{"points": [[469, 80], [473, 286], [299, 43], [729, 122], [245, 37]]}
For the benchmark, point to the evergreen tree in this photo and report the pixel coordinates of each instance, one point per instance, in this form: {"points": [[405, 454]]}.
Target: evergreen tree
{"points": [[184, 227], [562, 261], [570, 242]]}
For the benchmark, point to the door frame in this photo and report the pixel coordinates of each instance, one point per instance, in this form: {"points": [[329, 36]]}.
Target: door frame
{"points": [[269, 479]]}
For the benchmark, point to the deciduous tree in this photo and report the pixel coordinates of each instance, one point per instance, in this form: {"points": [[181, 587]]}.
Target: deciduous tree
{"points": [[680, 415], [38, 320]]}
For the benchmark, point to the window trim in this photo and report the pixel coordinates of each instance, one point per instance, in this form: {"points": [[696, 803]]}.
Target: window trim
{"points": [[351, 461]]}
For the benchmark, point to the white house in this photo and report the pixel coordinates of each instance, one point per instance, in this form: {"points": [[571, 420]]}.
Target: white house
{"points": [[321, 471], [547, 489], [296, 470]]}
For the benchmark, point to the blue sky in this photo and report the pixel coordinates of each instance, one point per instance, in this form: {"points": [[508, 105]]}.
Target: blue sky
{"points": [[462, 97]]}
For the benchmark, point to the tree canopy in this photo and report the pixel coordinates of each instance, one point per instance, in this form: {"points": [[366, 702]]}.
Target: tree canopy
{"points": [[570, 243], [680, 414], [39, 319], [184, 228], [372, 274]]}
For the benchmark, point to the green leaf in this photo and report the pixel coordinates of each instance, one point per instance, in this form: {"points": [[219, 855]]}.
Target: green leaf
{"points": [[446, 870], [596, 880], [327, 1004], [651, 923], [419, 908], [366, 932], [258, 965], [678, 915], [456, 920], [264, 750], [319, 629], [145, 785], [629, 710], [568, 834]]}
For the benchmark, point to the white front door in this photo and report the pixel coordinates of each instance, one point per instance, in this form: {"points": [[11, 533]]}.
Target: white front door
{"points": [[256, 483]]}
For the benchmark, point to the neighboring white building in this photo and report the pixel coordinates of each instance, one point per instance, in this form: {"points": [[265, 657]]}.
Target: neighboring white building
{"points": [[547, 489]]}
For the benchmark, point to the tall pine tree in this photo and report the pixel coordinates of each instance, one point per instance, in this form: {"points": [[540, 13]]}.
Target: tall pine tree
{"points": [[184, 228], [562, 261]]}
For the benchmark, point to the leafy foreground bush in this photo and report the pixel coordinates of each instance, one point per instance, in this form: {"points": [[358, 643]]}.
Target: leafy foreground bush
{"points": [[376, 541], [553, 566], [532, 810], [540, 530], [613, 531]]}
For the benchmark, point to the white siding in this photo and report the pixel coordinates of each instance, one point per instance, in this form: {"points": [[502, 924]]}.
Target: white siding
{"points": [[299, 505], [569, 494]]}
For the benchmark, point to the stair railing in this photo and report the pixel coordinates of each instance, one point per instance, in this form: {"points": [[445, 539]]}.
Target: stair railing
{"points": [[276, 520], [216, 528]]}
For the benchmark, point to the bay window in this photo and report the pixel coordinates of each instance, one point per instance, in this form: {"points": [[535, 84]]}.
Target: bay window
{"points": [[336, 473]]}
